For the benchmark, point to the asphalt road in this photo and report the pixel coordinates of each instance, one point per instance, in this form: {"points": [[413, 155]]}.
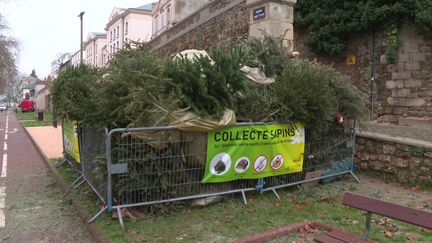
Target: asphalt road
{"points": [[32, 207]]}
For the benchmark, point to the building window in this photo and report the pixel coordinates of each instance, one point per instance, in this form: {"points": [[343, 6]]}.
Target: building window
{"points": [[162, 19], [118, 31], [168, 15], [114, 34], [96, 49], [126, 27], [118, 46], [114, 48], [111, 36], [126, 40], [156, 23]]}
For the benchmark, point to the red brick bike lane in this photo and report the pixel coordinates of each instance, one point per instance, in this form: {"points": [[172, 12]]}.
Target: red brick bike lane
{"points": [[32, 207]]}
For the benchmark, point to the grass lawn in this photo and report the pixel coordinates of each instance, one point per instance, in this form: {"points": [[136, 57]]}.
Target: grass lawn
{"points": [[231, 219], [29, 119]]}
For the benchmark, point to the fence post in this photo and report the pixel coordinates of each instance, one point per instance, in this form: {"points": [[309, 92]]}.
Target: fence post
{"points": [[108, 160]]}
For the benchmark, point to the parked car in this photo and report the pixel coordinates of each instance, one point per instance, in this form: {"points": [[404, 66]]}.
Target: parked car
{"points": [[27, 105], [3, 107]]}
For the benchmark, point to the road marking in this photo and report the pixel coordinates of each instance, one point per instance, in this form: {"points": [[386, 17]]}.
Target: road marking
{"points": [[2, 219], [4, 166], [14, 131], [3, 174]]}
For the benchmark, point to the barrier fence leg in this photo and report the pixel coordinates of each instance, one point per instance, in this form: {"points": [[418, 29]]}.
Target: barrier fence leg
{"points": [[244, 197], [276, 194], [80, 182], [60, 163], [120, 217], [98, 214], [77, 181], [355, 177]]}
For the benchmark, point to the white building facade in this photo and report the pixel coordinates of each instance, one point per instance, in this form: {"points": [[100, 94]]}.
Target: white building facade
{"points": [[93, 50], [126, 25], [75, 59]]}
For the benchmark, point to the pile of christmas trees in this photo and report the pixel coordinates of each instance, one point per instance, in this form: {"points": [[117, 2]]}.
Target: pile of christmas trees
{"points": [[139, 89]]}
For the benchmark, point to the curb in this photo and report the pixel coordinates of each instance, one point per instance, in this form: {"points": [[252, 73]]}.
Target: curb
{"points": [[95, 232], [282, 231]]}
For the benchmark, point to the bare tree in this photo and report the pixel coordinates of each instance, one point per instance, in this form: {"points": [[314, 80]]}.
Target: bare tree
{"points": [[59, 61], [8, 53], [13, 91]]}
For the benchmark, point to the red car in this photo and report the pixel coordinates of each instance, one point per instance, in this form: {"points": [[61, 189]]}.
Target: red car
{"points": [[27, 105]]}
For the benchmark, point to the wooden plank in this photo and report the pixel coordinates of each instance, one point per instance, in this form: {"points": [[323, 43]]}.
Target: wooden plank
{"points": [[406, 214], [327, 239], [346, 237]]}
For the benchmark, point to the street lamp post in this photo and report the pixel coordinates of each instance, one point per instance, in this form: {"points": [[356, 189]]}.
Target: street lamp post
{"points": [[81, 41]]}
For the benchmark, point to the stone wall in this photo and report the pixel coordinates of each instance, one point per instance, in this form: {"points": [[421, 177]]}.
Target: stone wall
{"points": [[219, 23], [395, 161], [402, 90]]}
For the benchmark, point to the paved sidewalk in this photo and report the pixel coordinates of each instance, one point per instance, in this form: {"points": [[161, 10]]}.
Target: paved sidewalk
{"points": [[49, 140], [32, 207]]}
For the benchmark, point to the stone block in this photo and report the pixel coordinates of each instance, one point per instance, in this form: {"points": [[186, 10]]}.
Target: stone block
{"points": [[396, 101], [412, 83], [383, 59], [388, 110], [395, 84], [429, 155], [397, 67], [417, 57], [400, 110], [361, 141], [425, 179], [403, 147], [373, 157], [404, 57], [416, 102], [420, 74], [370, 147], [397, 93], [404, 154], [412, 66], [376, 165], [389, 149], [384, 158], [401, 75], [417, 160], [401, 163]]}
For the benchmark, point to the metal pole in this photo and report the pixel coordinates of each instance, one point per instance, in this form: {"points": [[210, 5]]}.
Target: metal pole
{"points": [[81, 40], [372, 75]]}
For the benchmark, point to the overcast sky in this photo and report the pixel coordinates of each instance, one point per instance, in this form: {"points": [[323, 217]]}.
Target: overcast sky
{"points": [[45, 28]]}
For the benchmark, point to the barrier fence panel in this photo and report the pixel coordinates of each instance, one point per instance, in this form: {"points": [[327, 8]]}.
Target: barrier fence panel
{"points": [[326, 156], [160, 164], [155, 165], [93, 162]]}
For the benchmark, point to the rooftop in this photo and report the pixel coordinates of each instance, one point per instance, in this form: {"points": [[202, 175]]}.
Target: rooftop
{"points": [[147, 7]]}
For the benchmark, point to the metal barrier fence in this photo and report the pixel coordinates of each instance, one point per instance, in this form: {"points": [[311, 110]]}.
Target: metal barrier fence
{"points": [[147, 166], [93, 162]]}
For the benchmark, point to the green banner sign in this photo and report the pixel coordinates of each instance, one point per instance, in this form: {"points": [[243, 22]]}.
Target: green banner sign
{"points": [[254, 151], [70, 137]]}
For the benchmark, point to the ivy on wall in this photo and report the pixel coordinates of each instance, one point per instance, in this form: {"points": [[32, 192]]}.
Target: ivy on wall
{"points": [[331, 22]]}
